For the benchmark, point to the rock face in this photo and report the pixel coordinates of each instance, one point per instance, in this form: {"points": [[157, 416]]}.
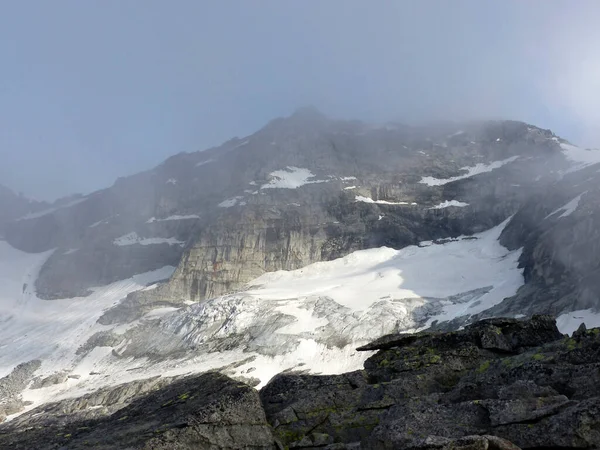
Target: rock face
{"points": [[207, 412], [286, 197], [498, 384], [520, 381], [308, 189], [12, 385], [559, 233]]}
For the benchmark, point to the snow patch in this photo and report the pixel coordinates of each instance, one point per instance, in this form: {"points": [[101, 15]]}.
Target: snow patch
{"points": [[202, 163], [175, 217], [579, 156], [349, 187], [290, 178], [360, 198], [471, 171], [172, 181], [133, 238], [229, 202], [568, 208], [447, 203]]}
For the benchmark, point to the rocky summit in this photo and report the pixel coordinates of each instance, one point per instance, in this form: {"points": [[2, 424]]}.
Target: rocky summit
{"points": [[269, 260], [500, 384]]}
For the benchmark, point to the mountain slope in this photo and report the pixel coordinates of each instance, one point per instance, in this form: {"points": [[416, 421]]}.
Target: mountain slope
{"points": [[228, 207], [288, 248]]}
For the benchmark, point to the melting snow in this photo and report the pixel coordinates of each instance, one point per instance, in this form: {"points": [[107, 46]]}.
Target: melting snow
{"points": [[360, 198], [176, 217], [229, 202], [460, 277], [471, 171], [172, 181], [51, 329], [290, 178], [447, 203], [435, 271], [133, 238], [349, 187], [568, 208]]}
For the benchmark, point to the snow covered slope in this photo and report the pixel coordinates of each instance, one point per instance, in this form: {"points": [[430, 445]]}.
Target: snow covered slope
{"points": [[309, 319], [364, 222], [51, 331]]}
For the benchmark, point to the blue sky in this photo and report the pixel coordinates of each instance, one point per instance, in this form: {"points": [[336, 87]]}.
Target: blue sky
{"points": [[94, 90]]}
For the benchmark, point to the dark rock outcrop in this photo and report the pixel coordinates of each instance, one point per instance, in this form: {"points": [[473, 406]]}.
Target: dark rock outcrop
{"points": [[210, 411], [521, 381]]}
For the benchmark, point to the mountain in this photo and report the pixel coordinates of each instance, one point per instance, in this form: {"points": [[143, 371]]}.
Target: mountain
{"points": [[287, 249]]}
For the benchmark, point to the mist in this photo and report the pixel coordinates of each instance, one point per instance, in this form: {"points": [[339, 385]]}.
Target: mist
{"points": [[93, 91]]}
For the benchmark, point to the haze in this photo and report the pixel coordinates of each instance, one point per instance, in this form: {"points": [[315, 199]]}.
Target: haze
{"points": [[90, 91]]}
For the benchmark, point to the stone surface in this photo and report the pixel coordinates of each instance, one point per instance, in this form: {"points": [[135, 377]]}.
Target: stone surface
{"points": [[12, 385], [533, 387], [210, 411]]}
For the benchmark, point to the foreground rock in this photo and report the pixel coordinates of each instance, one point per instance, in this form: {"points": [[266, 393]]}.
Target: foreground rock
{"points": [[499, 384], [206, 412], [521, 381]]}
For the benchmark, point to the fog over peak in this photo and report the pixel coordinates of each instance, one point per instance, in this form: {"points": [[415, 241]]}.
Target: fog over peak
{"points": [[90, 92]]}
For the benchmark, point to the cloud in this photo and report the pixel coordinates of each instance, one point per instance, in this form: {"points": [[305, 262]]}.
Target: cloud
{"points": [[563, 50], [122, 86]]}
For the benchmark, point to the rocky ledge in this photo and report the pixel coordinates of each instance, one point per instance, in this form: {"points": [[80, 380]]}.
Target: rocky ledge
{"points": [[497, 384]]}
